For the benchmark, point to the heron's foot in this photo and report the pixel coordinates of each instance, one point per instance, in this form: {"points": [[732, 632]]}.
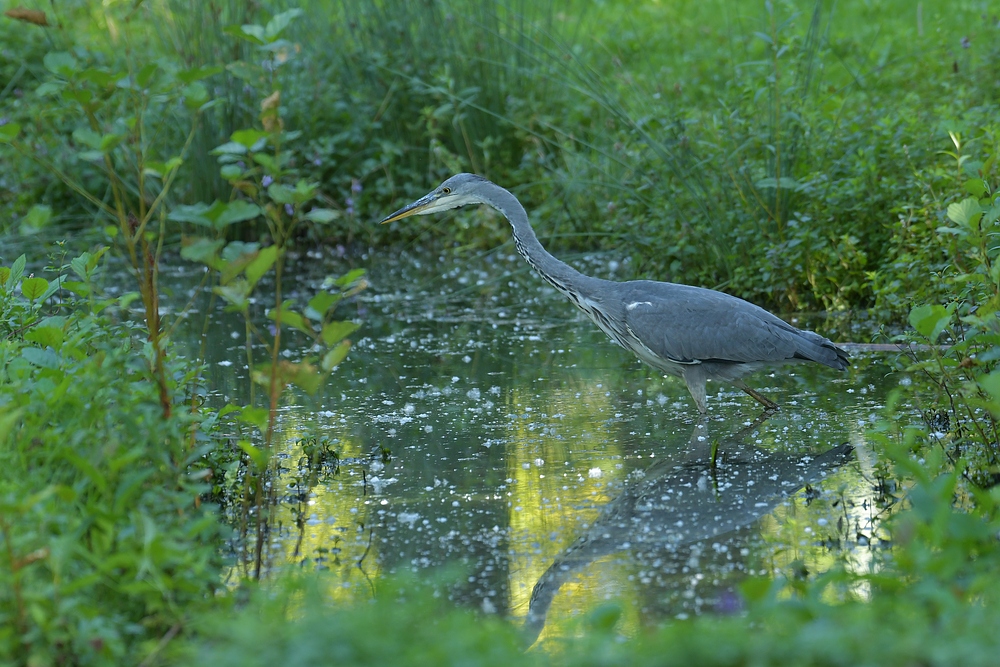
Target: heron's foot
{"points": [[769, 405]]}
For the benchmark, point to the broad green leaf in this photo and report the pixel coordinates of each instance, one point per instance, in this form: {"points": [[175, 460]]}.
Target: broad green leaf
{"points": [[145, 75], [252, 139], [195, 94], [4, 275], [255, 416], [202, 250], [305, 191], [976, 187], [231, 172], [930, 321], [303, 375], [87, 137], [270, 165], [278, 24], [237, 211], [322, 215], [349, 277], [37, 218], [9, 132], [238, 249], [197, 74], [45, 336], [256, 454], [261, 264], [291, 318], [42, 358], [198, 214], [323, 302], [281, 193], [332, 358], [61, 63], [966, 212], [32, 288], [253, 33], [230, 148], [50, 88], [235, 294], [334, 332]]}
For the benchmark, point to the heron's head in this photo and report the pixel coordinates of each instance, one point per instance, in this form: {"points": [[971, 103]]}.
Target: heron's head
{"points": [[459, 190]]}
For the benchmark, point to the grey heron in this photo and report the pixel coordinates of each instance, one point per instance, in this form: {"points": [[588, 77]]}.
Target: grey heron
{"points": [[694, 333]]}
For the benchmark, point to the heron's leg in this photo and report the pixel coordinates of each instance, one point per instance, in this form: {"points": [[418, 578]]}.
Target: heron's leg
{"points": [[694, 378], [760, 398]]}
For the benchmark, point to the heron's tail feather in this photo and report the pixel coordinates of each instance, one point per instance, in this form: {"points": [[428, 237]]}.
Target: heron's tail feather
{"points": [[813, 347]]}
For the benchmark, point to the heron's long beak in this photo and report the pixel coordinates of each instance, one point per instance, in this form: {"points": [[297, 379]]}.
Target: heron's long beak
{"points": [[412, 209]]}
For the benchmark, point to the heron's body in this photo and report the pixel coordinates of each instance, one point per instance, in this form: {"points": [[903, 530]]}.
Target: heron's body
{"points": [[690, 332]]}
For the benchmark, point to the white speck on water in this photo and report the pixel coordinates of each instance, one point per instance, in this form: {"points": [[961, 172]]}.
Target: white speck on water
{"points": [[488, 607], [454, 379], [473, 394], [594, 473], [408, 518], [235, 335], [526, 466], [225, 362], [821, 521], [409, 409], [428, 429], [539, 462], [466, 358]]}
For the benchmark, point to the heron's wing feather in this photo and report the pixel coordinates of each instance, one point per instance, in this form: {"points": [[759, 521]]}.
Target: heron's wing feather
{"points": [[686, 324]]}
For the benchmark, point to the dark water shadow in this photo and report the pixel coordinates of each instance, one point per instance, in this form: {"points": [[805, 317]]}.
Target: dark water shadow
{"points": [[682, 500]]}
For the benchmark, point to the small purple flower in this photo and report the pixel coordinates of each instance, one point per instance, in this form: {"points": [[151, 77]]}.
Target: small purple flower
{"points": [[729, 603], [317, 162], [272, 329], [289, 209], [350, 205], [266, 181], [356, 186], [241, 164], [966, 43], [4, 120]]}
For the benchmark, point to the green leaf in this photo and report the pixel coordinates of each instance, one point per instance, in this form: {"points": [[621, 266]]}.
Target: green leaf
{"points": [[195, 95], [252, 139], [203, 250], [976, 187], [146, 74], [261, 264], [252, 33], [254, 416], [278, 24], [966, 212], [32, 288], [61, 63], [230, 172], [305, 191], [303, 375], [270, 165], [235, 293], [37, 218], [322, 215], [4, 275], [349, 277], [324, 301], [87, 137], [45, 336], [930, 321], [256, 454], [237, 211], [291, 318], [230, 148], [42, 358], [332, 358], [9, 132], [197, 214], [337, 331], [282, 194], [239, 249], [16, 271], [197, 73], [8, 419]]}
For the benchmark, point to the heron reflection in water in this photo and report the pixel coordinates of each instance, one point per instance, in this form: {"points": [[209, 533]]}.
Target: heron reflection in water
{"points": [[715, 488]]}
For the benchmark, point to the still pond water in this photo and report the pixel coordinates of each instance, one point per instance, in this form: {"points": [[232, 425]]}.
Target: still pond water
{"points": [[545, 468]]}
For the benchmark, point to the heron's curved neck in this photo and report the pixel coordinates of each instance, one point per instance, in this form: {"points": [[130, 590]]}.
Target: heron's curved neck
{"points": [[560, 275]]}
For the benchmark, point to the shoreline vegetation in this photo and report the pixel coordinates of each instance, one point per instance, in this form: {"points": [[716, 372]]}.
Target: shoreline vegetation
{"points": [[804, 155]]}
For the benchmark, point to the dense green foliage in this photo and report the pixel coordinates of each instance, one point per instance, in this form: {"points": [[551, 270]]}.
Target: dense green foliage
{"points": [[798, 154]]}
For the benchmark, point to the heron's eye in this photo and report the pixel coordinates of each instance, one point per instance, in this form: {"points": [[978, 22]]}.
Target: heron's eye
{"points": [[446, 191]]}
